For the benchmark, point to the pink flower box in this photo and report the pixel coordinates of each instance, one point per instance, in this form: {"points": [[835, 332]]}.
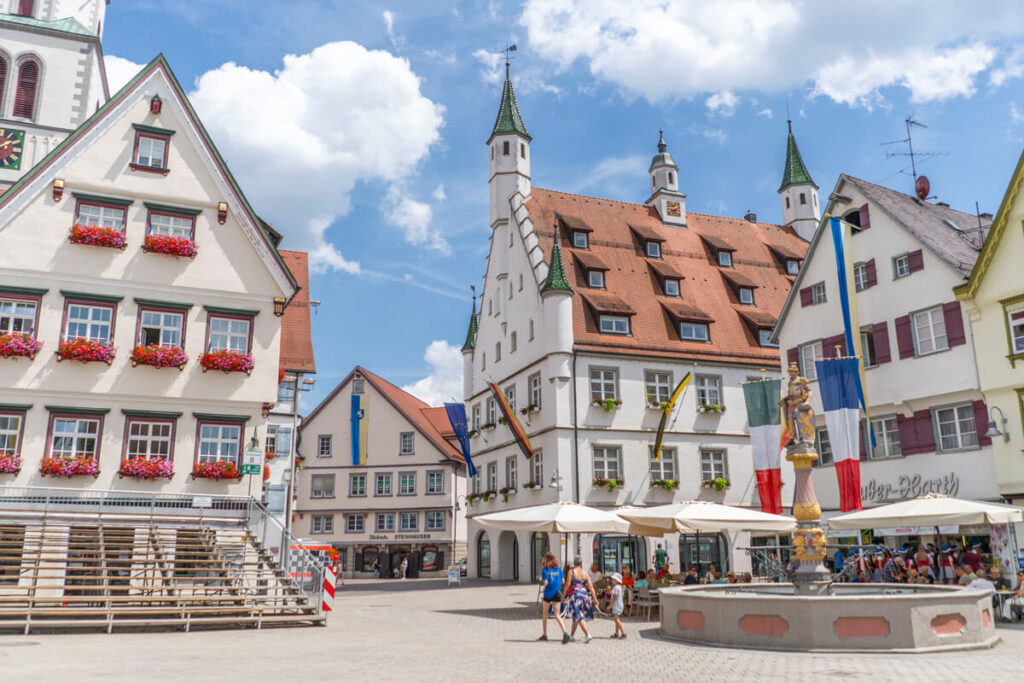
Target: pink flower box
{"points": [[86, 351], [10, 463], [143, 468], [227, 361], [19, 344], [95, 236], [78, 466], [159, 356], [215, 470], [170, 245]]}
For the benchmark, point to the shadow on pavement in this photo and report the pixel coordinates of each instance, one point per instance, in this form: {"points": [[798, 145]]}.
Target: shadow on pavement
{"points": [[498, 613]]}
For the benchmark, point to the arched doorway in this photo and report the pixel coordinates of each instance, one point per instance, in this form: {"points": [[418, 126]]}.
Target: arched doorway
{"points": [[612, 552], [538, 548], [704, 550], [483, 556], [508, 556]]}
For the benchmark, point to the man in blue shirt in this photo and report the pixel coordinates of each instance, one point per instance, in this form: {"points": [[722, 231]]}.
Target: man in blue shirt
{"points": [[840, 557], [552, 578]]}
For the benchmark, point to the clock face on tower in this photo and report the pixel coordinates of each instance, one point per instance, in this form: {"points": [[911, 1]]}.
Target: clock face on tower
{"points": [[12, 143], [673, 209]]}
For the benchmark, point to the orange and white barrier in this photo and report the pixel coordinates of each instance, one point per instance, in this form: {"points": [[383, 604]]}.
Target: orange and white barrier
{"points": [[330, 576]]}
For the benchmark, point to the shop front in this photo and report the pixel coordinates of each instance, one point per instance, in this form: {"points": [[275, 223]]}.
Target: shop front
{"points": [[425, 556], [612, 552], [705, 551]]}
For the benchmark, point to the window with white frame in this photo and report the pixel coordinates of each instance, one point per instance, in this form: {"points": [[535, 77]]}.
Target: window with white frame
{"points": [[151, 151], [10, 433], [492, 411], [150, 439], [671, 287], [100, 216], [435, 520], [321, 486], [658, 386], [510, 396], [410, 521], [792, 267], [595, 278], [90, 321], [887, 438], [476, 416], [725, 259], [1014, 318], [654, 249], [824, 447], [511, 473], [17, 316], [665, 468], [713, 464], [956, 428], [219, 442], [324, 445], [694, 331], [492, 476], [603, 384], [613, 324], [929, 331], [901, 266], [808, 354], [709, 390], [170, 225], [534, 382], [607, 462], [385, 521], [355, 523], [229, 334], [406, 483], [818, 293], [435, 483], [383, 484], [271, 439], [75, 437], [764, 338], [867, 348], [406, 443], [860, 276], [537, 467], [476, 483], [579, 240], [357, 485], [161, 328], [322, 524]]}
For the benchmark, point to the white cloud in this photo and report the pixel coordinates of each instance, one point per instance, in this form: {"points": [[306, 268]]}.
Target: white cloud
{"points": [[489, 65], [444, 382], [438, 193], [325, 121], [1012, 67], [443, 57], [666, 50], [611, 168], [413, 218], [119, 71], [397, 41], [716, 135], [1016, 115], [527, 80], [723, 103], [767, 113]]}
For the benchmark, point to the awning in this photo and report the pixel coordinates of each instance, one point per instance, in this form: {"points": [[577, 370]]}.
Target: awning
{"points": [[602, 302], [646, 233], [684, 311], [574, 223], [589, 260]]}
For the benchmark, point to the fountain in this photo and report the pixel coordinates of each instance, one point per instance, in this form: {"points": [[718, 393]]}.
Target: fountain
{"points": [[812, 613]]}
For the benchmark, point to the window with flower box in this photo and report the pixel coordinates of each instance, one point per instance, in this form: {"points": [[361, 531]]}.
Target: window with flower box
{"points": [[89, 320], [229, 334], [171, 230], [713, 464], [12, 426], [75, 435], [537, 467], [511, 472], [535, 390], [161, 327], [228, 340], [100, 215], [99, 221], [665, 468], [659, 387], [709, 390], [219, 441], [603, 384], [18, 315], [607, 462], [151, 148]]}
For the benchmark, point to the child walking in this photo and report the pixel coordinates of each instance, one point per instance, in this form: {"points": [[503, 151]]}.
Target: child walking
{"points": [[617, 605], [552, 579]]}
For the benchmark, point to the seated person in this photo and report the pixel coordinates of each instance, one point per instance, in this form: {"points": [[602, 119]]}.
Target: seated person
{"points": [[691, 576], [595, 574], [1013, 607]]}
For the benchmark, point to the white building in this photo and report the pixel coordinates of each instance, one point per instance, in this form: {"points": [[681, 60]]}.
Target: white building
{"points": [[52, 77], [400, 502], [928, 414], [188, 279], [591, 311]]}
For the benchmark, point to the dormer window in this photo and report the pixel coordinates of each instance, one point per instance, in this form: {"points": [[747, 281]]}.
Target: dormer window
{"points": [[580, 240], [595, 278], [654, 249], [614, 324], [151, 147], [689, 331], [792, 267], [671, 287], [764, 337], [725, 259], [746, 296]]}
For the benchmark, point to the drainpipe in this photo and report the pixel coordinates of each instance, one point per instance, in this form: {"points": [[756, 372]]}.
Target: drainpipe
{"points": [[575, 448]]}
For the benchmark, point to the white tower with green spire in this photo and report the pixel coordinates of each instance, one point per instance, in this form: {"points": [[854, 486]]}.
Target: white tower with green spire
{"points": [[509, 153], [798, 193]]}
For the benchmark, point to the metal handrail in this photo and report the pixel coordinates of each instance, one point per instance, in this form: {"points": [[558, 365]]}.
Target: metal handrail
{"points": [[304, 569]]}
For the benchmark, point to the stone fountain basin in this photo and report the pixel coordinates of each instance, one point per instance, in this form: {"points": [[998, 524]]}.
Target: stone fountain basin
{"points": [[862, 617]]}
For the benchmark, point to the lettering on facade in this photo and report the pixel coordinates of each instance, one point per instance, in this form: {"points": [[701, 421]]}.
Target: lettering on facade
{"points": [[910, 486], [413, 537], [378, 537]]}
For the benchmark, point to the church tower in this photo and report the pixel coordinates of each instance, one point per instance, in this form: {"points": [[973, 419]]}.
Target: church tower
{"points": [[665, 194], [52, 77], [798, 193], [509, 151]]}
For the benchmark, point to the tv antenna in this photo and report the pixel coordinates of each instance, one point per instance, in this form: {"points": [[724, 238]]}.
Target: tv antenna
{"points": [[915, 157]]}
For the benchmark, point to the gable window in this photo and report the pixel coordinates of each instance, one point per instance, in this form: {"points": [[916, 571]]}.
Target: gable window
{"points": [[713, 464], [664, 469], [229, 334], [792, 267], [860, 276], [383, 484], [324, 446], [219, 442], [25, 95], [709, 390], [151, 149], [746, 295], [435, 520], [537, 467], [654, 249], [867, 349], [824, 447], [357, 485], [808, 354], [887, 438], [1014, 318], [534, 383], [406, 483], [385, 521], [580, 240], [511, 473], [492, 476], [409, 521], [614, 324], [406, 441], [321, 486], [355, 523], [955, 427], [607, 462], [148, 438], [89, 321], [603, 384], [725, 259], [818, 293], [764, 338], [161, 328], [171, 225], [595, 278], [694, 332], [929, 331], [435, 483], [671, 287], [901, 266], [322, 524], [658, 386], [75, 436], [18, 316], [357, 386], [100, 215]]}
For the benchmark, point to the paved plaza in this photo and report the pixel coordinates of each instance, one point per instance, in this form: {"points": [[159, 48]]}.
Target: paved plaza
{"points": [[422, 630]]}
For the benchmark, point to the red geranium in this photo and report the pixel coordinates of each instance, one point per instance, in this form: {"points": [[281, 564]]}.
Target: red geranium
{"points": [[95, 236], [170, 245], [145, 468], [159, 356], [19, 344], [86, 350], [227, 361], [221, 469]]}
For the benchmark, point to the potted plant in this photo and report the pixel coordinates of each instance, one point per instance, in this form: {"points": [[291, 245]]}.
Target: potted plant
{"points": [[145, 468], [217, 470], [10, 463], [718, 483], [95, 236], [73, 466], [667, 484], [505, 491], [502, 420], [608, 404], [269, 455], [85, 351], [656, 405], [170, 245], [711, 408], [488, 494], [227, 361], [472, 433], [530, 485], [610, 484], [471, 498], [529, 410], [486, 427], [159, 356], [19, 344]]}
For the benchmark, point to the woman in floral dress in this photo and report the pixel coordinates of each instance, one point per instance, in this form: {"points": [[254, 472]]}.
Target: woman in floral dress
{"points": [[581, 602]]}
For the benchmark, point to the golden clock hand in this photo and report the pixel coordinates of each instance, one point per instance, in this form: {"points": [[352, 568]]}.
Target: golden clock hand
{"points": [[5, 143]]}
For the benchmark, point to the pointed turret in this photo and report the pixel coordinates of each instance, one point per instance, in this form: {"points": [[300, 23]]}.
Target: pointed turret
{"points": [[665, 194], [509, 120], [556, 281], [509, 165], [798, 193], [471, 332], [794, 173]]}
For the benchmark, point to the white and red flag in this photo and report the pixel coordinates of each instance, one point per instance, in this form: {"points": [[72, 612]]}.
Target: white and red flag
{"points": [[838, 382], [764, 420]]}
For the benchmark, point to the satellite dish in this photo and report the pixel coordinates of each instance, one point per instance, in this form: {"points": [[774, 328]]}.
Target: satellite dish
{"points": [[922, 187]]}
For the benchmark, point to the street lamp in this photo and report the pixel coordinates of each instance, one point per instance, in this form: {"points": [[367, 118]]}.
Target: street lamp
{"points": [[556, 480], [993, 430], [307, 385]]}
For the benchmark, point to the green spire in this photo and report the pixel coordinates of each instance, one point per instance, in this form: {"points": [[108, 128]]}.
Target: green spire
{"points": [[795, 173], [471, 332], [556, 280], [509, 120]]}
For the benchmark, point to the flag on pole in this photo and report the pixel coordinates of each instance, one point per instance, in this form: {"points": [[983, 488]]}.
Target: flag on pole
{"points": [[765, 422], [513, 423], [457, 418], [665, 413], [360, 427], [837, 381]]}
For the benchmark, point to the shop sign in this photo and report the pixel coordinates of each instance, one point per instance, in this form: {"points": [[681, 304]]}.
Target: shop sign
{"points": [[412, 537], [378, 537], [910, 486]]}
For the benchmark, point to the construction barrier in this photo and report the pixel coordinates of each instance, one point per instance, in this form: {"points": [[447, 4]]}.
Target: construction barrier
{"points": [[330, 576]]}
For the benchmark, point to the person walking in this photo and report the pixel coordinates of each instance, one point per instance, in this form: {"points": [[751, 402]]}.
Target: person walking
{"points": [[552, 580], [582, 600], [376, 568], [404, 567], [617, 607]]}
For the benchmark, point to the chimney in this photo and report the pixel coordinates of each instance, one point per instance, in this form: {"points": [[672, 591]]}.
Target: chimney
{"points": [[987, 216], [750, 216]]}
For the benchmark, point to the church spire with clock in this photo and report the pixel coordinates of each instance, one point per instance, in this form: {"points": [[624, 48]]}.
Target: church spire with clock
{"points": [[665, 195]]}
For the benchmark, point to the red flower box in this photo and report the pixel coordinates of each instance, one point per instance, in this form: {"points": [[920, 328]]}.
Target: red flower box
{"points": [[86, 351], [77, 466], [222, 469], [95, 236], [159, 356], [170, 245], [227, 361], [19, 344], [144, 468]]}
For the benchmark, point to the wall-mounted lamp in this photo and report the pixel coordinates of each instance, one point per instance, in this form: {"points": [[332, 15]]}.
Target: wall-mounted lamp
{"points": [[58, 189], [556, 480], [222, 213], [993, 431], [155, 105], [266, 409], [279, 306]]}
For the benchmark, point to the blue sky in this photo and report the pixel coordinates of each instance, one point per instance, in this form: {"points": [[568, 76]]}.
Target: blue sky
{"points": [[358, 128]]}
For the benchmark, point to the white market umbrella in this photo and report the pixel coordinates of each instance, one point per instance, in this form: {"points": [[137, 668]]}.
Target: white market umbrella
{"points": [[564, 517], [931, 510], [699, 516]]}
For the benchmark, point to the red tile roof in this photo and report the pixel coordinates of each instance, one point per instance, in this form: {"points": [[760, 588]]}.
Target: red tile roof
{"points": [[296, 333], [633, 280]]}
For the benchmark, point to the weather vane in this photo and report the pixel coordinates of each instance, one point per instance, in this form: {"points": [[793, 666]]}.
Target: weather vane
{"points": [[509, 49]]}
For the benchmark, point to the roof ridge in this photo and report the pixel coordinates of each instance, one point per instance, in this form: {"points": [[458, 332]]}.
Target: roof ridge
{"points": [[908, 196]]}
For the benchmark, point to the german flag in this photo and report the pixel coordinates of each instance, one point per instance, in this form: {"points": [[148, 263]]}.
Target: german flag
{"points": [[665, 413], [513, 423]]}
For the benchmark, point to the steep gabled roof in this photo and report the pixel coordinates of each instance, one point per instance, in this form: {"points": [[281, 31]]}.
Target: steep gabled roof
{"points": [[795, 172], [296, 331], [509, 120]]}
